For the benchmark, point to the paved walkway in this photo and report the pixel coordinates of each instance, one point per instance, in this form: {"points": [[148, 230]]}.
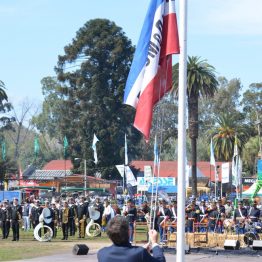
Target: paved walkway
{"points": [[204, 256]]}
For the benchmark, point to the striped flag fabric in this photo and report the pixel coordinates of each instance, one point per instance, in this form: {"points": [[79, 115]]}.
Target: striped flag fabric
{"points": [[150, 76]]}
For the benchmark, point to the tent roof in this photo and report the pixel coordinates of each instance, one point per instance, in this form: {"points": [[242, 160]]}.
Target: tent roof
{"points": [[251, 190]]}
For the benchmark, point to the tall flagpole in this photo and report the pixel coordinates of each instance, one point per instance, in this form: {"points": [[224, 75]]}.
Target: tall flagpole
{"points": [[181, 165]]}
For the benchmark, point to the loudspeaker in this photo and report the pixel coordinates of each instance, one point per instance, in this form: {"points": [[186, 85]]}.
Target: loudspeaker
{"points": [[257, 245], [80, 249], [231, 244]]}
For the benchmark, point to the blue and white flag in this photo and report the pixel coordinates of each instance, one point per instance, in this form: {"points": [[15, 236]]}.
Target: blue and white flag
{"points": [[95, 140]]}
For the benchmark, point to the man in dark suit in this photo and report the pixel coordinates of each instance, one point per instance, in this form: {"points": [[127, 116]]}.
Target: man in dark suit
{"points": [[122, 250]]}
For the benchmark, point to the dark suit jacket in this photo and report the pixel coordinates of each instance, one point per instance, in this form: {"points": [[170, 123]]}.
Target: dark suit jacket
{"points": [[129, 253]]}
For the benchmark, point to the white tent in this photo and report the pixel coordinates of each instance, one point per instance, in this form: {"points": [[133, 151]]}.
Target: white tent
{"points": [[249, 192]]}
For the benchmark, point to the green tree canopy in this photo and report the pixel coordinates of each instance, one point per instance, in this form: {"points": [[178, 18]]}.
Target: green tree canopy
{"points": [[91, 77]]}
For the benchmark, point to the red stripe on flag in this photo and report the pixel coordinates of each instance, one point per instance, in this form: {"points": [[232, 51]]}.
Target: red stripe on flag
{"points": [[170, 41], [155, 90]]}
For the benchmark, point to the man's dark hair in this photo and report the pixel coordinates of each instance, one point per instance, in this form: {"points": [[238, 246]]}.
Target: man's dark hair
{"points": [[117, 230]]}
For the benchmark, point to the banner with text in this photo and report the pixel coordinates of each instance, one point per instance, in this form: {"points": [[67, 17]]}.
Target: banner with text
{"points": [[225, 173], [143, 183]]}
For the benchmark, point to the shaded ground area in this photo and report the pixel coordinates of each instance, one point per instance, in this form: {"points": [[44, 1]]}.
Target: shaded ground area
{"points": [[205, 255]]}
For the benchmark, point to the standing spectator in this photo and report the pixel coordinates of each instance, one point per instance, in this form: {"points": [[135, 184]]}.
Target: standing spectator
{"points": [[26, 209], [108, 211], [131, 214]]}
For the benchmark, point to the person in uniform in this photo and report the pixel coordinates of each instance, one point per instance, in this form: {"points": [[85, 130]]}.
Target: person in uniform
{"points": [[192, 212], [173, 209], [240, 215], [131, 214], [36, 211], [49, 220], [254, 213], [221, 217], [99, 207], [16, 217], [82, 215], [55, 214], [212, 217], [72, 217], [163, 214], [5, 219], [64, 219]]}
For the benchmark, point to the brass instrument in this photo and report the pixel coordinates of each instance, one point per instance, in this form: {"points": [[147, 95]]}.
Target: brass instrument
{"points": [[65, 214], [76, 222]]}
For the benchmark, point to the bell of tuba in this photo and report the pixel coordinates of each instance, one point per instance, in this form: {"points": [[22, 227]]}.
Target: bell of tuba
{"points": [[47, 236], [93, 229]]}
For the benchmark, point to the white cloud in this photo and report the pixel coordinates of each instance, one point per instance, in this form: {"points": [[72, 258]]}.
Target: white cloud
{"points": [[234, 17]]}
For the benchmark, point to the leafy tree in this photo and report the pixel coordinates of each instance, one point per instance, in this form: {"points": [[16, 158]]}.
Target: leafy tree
{"points": [[5, 123], [227, 96], [201, 82], [224, 136], [92, 75]]}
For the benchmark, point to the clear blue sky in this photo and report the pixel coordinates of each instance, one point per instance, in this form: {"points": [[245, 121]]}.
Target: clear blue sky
{"points": [[34, 32]]}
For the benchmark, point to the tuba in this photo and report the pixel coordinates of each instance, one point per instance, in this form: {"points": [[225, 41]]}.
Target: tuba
{"points": [[93, 229], [44, 217], [47, 236]]}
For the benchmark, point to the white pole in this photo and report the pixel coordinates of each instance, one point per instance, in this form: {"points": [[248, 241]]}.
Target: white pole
{"points": [[85, 177], [181, 165]]}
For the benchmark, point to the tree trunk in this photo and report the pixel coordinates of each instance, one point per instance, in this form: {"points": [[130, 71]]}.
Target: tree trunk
{"points": [[194, 166], [193, 134]]}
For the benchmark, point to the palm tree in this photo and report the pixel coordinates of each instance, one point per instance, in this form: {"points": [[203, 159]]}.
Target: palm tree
{"points": [[3, 95], [224, 136], [201, 83]]}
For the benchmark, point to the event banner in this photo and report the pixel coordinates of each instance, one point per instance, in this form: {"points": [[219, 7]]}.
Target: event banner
{"points": [[259, 169], [144, 183], [225, 173]]}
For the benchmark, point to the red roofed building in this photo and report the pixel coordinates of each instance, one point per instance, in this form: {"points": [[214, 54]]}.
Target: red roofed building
{"points": [[58, 165], [169, 168]]}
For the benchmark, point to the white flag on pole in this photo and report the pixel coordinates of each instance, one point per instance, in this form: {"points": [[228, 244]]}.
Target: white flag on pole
{"points": [[235, 165], [212, 159], [95, 140]]}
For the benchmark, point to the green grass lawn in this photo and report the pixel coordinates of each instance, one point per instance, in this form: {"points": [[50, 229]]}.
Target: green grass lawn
{"points": [[27, 247]]}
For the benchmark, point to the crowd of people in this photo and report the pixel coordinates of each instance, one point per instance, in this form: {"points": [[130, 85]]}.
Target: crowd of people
{"points": [[72, 215]]}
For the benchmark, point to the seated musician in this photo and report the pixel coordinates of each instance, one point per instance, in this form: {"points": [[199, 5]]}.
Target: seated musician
{"points": [[203, 216], [254, 213], [192, 212], [212, 217], [221, 217], [240, 216], [163, 214], [173, 209]]}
